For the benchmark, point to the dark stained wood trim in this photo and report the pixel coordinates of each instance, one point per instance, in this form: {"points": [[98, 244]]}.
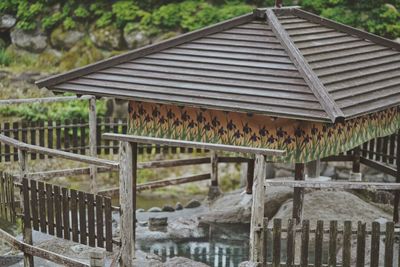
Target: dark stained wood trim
{"points": [[344, 28], [311, 78], [56, 79]]}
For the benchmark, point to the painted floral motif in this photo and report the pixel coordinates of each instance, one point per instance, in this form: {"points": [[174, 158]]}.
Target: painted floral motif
{"points": [[303, 141]]}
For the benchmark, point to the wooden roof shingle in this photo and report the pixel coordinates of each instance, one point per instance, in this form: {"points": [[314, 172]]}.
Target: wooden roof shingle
{"points": [[279, 62]]}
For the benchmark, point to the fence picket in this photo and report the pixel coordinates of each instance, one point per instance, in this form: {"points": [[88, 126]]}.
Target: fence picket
{"points": [[50, 134], [41, 137], [50, 209], [375, 244], [26, 209], [360, 245], [58, 135], [371, 148], [319, 236], [290, 247], [66, 135], [15, 131], [65, 208], [74, 215], [392, 149], [7, 149], [346, 258], [99, 221], [82, 133], [108, 223], [75, 122], [98, 135], [91, 224], [42, 207], [332, 243], [305, 232], [82, 217], [58, 212], [276, 256], [389, 242], [107, 123], [32, 126]]}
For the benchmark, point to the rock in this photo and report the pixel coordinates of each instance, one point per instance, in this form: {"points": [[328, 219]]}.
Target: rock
{"points": [[140, 210], [235, 207], [178, 206], [10, 260], [193, 204], [7, 22], [33, 41], [214, 192], [143, 223], [168, 208], [247, 264], [81, 54], [154, 209], [108, 38], [183, 262], [28, 76], [135, 38], [143, 259], [65, 39], [158, 224]]}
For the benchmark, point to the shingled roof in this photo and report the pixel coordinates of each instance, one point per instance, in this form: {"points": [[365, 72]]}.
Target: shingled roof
{"points": [[279, 62]]}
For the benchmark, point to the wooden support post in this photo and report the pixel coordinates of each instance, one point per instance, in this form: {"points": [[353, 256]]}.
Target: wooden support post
{"points": [[257, 212], [214, 188], [93, 143], [127, 198], [298, 195], [396, 218], [250, 176], [26, 229], [314, 169], [355, 174]]}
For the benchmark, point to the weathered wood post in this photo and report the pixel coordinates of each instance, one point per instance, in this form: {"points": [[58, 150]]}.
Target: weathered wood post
{"points": [[314, 169], [355, 174], [26, 226], [298, 194], [214, 188], [127, 198], [257, 212], [397, 193], [250, 176], [93, 143]]}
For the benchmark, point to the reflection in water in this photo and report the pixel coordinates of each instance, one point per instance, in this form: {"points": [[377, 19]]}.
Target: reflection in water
{"points": [[222, 248]]}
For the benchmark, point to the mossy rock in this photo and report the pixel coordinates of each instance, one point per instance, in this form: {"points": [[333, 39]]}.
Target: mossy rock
{"points": [[135, 38], [83, 53], [108, 38], [63, 39], [49, 57]]}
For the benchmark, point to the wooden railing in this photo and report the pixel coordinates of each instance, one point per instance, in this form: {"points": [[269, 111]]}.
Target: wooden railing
{"points": [[319, 244]]}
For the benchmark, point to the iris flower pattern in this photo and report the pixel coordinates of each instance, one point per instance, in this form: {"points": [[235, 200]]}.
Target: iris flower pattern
{"points": [[303, 141]]}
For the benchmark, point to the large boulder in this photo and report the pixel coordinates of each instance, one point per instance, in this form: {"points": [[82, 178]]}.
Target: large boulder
{"points": [[108, 38], [65, 39], [81, 54], [33, 41], [135, 38], [235, 207], [7, 22]]}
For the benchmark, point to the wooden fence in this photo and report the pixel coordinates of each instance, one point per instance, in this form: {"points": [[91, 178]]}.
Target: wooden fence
{"points": [[71, 136], [69, 214], [319, 245], [7, 201]]}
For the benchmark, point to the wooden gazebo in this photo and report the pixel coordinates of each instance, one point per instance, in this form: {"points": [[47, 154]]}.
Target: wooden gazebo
{"points": [[277, 79]]}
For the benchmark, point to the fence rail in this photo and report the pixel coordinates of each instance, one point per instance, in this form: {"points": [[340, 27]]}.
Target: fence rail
{"points": [[319, 245]]}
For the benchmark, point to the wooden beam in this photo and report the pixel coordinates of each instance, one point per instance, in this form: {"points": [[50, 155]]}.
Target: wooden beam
{"points": [[250, 177], [257, 212], [57, 153], [93, 143], [379, 166], [127, 181], [192, 144], [42, 100], [38, 252], [335, 185], [317, 87], [298, 194]]}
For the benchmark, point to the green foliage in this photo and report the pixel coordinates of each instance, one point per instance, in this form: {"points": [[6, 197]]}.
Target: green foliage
{"points": [[124, 12], [5, 58], [53, 111], [81, 12]]}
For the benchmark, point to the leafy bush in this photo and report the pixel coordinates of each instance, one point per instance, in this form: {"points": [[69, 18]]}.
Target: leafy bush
{"points": [[5, 58]]}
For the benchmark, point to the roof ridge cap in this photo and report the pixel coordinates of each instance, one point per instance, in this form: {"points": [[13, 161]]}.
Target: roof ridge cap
{"points": [[311, 78], [144, 51]]}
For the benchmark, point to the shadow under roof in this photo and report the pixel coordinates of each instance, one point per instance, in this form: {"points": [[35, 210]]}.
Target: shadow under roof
{"points": [[278, 62]]}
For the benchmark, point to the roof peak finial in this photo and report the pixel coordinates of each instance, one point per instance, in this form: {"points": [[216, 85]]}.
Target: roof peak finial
{"points": [[278, 3]]}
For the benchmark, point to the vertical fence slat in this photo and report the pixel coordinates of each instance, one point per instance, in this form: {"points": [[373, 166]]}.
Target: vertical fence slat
{"points": [[319, 237], [16, 137], [379, 143], [332, 243], [385, 148], [74, 215], [7, 149], [392, 148], [65, 208], [107, 128], [66, 135], [26, 209], [276, 256], [371, 148], [346, 259], [290, 247], [82, 133], [375, 242], [360, 245], [99, 221], [33, 138], [98, 135], [2, 196], [50, 209], [41, 137], [58, 134], [75, 136], [305, 232], [58, 211], [115, 130], [50, 134], [82, 217], [108, 223], [91, 220], [365, 149], [389, 242], [42, 207]]}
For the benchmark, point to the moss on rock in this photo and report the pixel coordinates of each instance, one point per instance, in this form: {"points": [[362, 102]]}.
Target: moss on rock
{"points": [[81, 54], [109, 38], [63, 39]]}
